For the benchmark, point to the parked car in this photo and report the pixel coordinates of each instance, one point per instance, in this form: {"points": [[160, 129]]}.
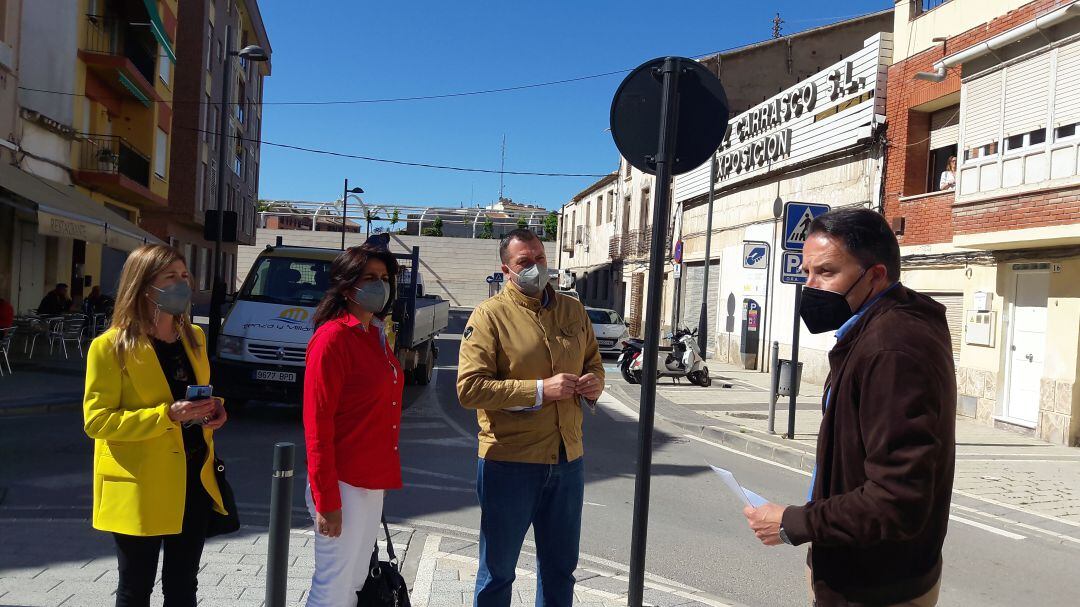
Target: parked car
{"points": [[610, 329]]}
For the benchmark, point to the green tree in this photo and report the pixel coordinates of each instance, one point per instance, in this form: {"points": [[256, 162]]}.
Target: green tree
{"points": [[395, 217], [522, 223], [488, 231], [435, 229], [551, 226]]}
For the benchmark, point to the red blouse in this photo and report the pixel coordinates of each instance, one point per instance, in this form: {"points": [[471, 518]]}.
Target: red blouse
{"points": [[352, 410]]}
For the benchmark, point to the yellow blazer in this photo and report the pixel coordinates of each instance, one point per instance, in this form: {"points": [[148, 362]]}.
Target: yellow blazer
{"points": [[140, 468]]}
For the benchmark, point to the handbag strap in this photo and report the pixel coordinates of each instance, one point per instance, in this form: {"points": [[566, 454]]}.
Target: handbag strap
{"points": [[389, 543]]}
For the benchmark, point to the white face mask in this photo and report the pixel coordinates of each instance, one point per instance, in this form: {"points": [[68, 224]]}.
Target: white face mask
{"points": [[532, 280]]}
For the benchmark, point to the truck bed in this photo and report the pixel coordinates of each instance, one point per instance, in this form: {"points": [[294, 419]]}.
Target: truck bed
{"points": [[431, 318]]}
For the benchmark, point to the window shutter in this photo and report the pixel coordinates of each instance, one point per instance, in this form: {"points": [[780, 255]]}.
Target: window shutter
{"points": [[945, 127], [1067, 85], [954, 317], [982, 110], [1027, 95]]}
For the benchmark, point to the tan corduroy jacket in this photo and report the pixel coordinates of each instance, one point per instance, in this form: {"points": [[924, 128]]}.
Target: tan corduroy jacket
{"points": [[510, 342]]}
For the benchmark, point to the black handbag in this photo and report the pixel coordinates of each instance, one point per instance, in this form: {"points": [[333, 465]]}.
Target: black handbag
{"points": [[220, 524], [384, 587]]}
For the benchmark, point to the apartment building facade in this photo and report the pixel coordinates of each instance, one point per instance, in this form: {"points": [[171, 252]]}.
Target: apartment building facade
{"points": [[92, 86], [204, 26], [994, 85]]}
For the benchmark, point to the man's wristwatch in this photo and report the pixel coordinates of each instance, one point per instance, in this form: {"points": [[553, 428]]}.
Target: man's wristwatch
{"points": [[783, 536]]}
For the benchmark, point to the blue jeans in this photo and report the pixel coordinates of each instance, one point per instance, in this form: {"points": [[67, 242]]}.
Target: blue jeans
{"points": [[514, 496]]}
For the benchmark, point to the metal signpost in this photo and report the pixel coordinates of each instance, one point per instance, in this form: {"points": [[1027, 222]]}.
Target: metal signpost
{"points": [[689, 106], [797, 219]]}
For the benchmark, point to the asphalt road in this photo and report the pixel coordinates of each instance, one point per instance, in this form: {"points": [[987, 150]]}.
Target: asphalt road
{"points": [[697, 535]]}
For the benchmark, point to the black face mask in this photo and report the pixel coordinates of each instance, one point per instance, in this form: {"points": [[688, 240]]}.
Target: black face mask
{"points": [[823, 310]]}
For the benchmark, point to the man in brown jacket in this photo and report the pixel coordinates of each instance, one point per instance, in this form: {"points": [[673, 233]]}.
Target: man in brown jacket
{"points": [[879, 505], [528, 362]]}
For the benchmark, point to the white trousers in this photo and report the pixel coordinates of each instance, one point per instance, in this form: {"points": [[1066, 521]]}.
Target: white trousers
{"points": [[341, 563]]}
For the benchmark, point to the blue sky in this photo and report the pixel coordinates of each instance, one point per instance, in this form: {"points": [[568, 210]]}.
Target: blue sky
{"points": [[351, 49]]}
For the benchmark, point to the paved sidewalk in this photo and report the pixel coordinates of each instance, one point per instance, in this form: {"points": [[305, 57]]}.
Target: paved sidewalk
{"points": [[43, 383], [65, 563], [993, 465]]}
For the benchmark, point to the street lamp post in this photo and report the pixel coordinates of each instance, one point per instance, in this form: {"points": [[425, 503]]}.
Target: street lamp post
{"points": [[217, 293], [344, 205]]}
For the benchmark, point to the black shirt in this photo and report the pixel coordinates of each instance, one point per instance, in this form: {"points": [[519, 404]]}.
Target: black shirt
{"points": [[53, 303], [179, 373]]}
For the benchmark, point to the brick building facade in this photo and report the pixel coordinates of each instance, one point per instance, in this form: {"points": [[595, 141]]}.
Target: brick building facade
{"points": [[989, 85]]}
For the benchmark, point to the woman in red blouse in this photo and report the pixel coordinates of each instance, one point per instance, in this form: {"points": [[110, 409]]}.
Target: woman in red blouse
{"points": [[352, 410]]}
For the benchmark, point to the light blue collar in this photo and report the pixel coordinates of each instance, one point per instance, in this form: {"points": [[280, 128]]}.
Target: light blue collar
{"points": [[854, 320]]}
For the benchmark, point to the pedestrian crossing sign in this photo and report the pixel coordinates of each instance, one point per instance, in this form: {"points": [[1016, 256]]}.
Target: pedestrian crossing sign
{"points": [[797, 219]]}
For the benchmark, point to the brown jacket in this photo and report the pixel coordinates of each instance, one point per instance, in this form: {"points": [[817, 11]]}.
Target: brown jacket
{"points": [[510, 342], [885, 457]]}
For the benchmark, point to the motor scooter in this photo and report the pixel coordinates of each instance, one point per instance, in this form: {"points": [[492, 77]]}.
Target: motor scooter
{"points": [[681, 359]]}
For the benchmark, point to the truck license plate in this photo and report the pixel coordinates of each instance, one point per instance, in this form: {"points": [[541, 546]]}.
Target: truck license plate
{"points": [[275, 376]]}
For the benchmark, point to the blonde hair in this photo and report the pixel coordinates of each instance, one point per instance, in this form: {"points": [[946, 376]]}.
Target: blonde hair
{"points": [[133, 316]]}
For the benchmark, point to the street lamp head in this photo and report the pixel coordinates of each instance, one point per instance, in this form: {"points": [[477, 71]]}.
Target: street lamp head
{"points": [[356, 190], [253, 52]]}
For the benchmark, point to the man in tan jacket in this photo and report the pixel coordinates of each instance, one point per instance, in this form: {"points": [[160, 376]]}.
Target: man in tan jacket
{"points": [[528, 362]]}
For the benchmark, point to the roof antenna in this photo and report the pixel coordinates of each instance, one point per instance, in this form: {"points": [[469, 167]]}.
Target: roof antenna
{"points": [[777, 24]]}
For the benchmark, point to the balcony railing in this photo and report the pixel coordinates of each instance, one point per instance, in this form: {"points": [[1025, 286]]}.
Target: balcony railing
{"points": [[114, 155], [638, 243], [118, 37]]}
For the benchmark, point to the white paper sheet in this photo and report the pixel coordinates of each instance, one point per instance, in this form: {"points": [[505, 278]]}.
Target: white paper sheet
{"points": [[746, 496]]}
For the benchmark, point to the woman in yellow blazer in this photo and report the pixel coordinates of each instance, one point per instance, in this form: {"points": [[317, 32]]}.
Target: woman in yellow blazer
{"points": [[154, 483]]}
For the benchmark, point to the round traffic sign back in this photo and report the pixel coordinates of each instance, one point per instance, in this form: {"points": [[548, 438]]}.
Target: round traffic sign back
{"points": [[702, 108]]}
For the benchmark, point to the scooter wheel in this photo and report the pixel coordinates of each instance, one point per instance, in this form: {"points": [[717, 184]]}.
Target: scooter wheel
{"points": [[703, 378]]}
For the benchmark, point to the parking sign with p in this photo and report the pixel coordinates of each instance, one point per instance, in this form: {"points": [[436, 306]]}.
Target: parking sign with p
{"points": [[791, 269]]}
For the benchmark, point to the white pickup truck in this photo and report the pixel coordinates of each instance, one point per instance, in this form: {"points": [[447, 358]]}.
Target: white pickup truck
{"points": [[263, 343]]}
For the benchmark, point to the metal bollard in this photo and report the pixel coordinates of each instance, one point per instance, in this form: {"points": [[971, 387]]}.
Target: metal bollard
{"points": [[277, 554], [775, 386]]}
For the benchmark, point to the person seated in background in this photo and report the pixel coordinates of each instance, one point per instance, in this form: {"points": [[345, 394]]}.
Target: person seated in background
{"points": [[94, 302], [7, 314], [55, 302]]}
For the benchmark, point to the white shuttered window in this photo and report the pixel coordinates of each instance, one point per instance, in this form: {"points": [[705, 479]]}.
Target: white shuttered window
{"points": [[945, 127], [1067, 93], [1027, 95], [982, 110]]}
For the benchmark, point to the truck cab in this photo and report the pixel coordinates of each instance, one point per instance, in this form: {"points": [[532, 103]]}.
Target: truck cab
{"points": [[263, 343], [262, 348]]}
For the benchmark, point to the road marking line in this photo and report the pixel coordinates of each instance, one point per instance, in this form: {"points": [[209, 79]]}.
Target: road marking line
{"points": [[425, 572], [595, 504], [1016, 508], [985, 527], [439, 488], [449, 477], [753, 457], [1029, 527], [804, 473]]}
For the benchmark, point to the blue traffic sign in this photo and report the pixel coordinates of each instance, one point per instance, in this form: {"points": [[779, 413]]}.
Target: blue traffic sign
{"points": [[791, 269], [797, 219], [755, 255], [496, 277]]}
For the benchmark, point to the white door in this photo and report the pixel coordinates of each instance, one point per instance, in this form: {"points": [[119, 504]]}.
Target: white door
{"points": [[29, 268], [1027, 346]]}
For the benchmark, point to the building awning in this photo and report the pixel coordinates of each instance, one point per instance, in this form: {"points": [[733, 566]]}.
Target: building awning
{"points": [[64, 212], [158, 28]]}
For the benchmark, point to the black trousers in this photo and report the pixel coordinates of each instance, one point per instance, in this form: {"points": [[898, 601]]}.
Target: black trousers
{"points": [[137, 556]]}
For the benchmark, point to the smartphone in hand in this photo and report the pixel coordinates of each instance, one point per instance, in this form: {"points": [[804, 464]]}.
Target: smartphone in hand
{"points": [[199, 393]]}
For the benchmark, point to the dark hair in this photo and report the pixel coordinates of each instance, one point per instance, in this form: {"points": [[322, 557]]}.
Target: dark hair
{"points": [[522, 234], [61, 285], [344, 272], [865, 234]]}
